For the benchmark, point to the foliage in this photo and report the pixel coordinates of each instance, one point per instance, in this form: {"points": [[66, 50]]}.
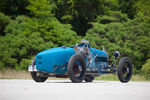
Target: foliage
{"points": [[127, 7], [4, 21], [40, 8], [130, 37], [143, 7], [146, 69], [80, 12], [25, 37], [30, 26], [13, 7], [113, 16]]}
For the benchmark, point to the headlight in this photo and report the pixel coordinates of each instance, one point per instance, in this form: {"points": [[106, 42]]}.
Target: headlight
{"points": [[116, 54]]}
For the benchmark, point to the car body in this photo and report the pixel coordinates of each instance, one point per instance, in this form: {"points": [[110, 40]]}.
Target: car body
{"points": [[60, 61]]}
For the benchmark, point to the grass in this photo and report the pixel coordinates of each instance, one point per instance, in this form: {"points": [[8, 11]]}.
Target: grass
{"points": [[13, 74], [114, 77]]}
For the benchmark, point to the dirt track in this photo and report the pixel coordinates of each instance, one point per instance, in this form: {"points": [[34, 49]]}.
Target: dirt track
{"points": [[65, 90]]}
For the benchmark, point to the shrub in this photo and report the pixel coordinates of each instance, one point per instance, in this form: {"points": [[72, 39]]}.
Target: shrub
{"points": [[130, 37], [146, 69], [4, 21]]}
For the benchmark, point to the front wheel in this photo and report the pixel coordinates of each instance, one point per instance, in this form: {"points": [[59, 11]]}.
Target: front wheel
{"points": [[37, 77], [124, 70], [76, 68]]}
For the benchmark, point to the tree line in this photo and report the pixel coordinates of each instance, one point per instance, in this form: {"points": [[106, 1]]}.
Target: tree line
{"points": [[30, 26]]}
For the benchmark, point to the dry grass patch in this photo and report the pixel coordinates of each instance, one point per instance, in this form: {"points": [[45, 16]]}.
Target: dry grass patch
{"points": [[13, 74]]}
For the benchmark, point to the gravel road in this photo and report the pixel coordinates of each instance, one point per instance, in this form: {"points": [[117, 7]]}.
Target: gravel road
{"points": [[65, 90]]}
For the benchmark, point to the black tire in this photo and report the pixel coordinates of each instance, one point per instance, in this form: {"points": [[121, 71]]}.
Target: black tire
{"points": [[38, 78], [89, 78], [124, 70], [36, 75], [76, 72]]}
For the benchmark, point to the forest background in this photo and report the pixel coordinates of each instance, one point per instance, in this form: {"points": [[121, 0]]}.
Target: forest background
{"points": [[30, 26]]}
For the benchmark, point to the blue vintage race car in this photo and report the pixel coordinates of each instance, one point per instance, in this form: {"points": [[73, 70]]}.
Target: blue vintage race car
{"points": [[80, 62]]}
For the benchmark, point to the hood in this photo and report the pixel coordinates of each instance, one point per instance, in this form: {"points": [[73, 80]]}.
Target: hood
{"points": [[48, 59]]}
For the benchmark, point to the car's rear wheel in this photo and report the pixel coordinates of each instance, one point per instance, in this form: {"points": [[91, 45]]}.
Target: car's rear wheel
{"points": [[124, 70], [89, 78], [76, 68], [37, 76]]}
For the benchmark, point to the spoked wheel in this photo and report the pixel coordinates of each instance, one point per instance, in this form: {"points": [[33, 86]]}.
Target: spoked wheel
{"points": [[76, 68], [124, 70], [38, 77], [89, 78]]}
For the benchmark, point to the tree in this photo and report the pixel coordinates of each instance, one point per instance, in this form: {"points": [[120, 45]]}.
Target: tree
{"points": [[143, 7], [13, 7], [40, 8], [4, 21], [26, 36], [146, 69], [127, 7], [116, 32], [80, 12]]}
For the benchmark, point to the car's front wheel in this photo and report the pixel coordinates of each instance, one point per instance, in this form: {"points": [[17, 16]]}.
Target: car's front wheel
{"points": [[76, 68], [37, 77], [124, 70]]}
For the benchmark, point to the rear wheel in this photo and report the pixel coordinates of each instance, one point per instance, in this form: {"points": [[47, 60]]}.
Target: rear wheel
{"points": [[76, 68], [89, 78], [124, 69]]}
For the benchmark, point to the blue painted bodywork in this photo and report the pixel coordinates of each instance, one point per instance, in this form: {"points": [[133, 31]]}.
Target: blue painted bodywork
{"points": [[55, 60], [100, 62]]}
